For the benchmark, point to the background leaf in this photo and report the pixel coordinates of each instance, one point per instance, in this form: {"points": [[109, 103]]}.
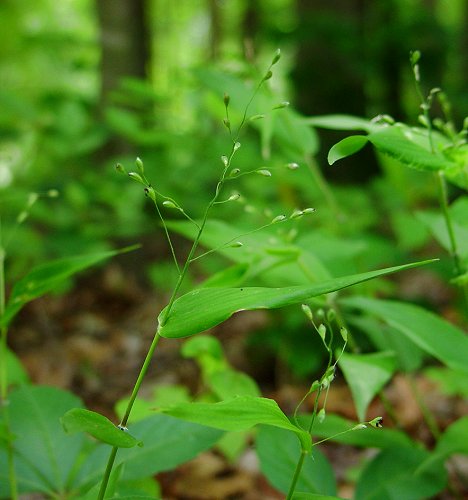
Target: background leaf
{"points": [[45, 278], [168, 442], [366, 374], [279, 452], [393, 475], [45, 456], [431, 333]]}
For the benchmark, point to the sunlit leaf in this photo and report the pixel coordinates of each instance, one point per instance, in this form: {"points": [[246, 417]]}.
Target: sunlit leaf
{"points": [[98, 426], [237, 414], [346, 147], [205, 308]]}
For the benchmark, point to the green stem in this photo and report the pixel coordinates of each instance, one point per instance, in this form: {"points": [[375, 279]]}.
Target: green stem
{"points": [[297, 473], [443, 199], [124, 421]]}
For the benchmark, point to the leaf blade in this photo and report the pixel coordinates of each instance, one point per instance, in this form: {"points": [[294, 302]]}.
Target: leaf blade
{"points": [[190, 314]]}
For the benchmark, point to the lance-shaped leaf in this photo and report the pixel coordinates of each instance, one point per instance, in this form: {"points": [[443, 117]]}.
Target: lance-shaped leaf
{"points": [[98, 426], [346, 147], [45, 278], [238, 414], [205, 308], [431, 333]]}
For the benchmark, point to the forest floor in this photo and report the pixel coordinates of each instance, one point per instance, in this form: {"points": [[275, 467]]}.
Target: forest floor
{"points": [[93, 339]]}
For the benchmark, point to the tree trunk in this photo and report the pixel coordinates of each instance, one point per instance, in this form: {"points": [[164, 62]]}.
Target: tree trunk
{"points": [[124, 51]]}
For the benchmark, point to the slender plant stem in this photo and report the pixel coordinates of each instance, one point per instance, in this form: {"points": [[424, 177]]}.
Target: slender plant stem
{"points": [[124, 421], [297, 473]]}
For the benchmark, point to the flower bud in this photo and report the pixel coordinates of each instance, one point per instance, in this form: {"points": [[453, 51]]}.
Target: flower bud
{"points": [[292, 166], [308, 312], [377, 422], [322, 331], [120, 168], [256, 117], [359, 427], [169, 204], [52, 193], [281, 105], [226, 99], [278, 218], [234, 197], [296, 214], [227, 123], [321, 415], [264, 172], [236, 244], [277, 57], [136, 177], [267, 76], [308, 211], [150, 193], [225, 160], [344, 333], [237, 145], [139, 166], [234, 172]]}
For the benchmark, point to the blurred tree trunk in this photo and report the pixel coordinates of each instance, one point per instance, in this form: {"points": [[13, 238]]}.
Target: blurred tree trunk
{"points": [[215, 30], [250, 29], [124, 51], [330, 71]]}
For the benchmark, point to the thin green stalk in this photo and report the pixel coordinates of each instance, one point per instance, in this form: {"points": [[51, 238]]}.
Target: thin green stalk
{"points": [[297, 473], [443, 200], [124, 421]]}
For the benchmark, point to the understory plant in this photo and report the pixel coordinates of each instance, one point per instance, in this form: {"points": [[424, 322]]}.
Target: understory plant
{"points": [[160, 434]]}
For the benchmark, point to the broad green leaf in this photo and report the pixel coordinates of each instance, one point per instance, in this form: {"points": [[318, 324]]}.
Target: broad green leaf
{"points": [[237, 414], [16, 374], [385, 338], [341, 122], [163, 395], [346, 147], [202, 309], [409, 146], [168, 443], [453, 441], [366, 374], [264, 253], [232, 276], [98, 426], [435, 222], [393, 475], [45, 457], [449, 381], [45, 277], [278, 452], [229, 383], [431, 333]]}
